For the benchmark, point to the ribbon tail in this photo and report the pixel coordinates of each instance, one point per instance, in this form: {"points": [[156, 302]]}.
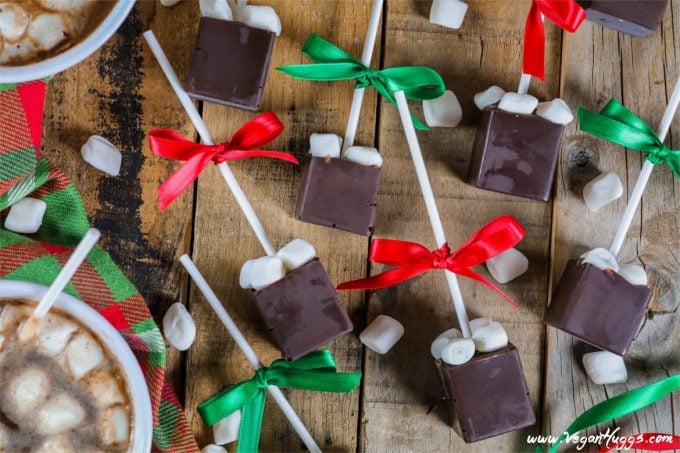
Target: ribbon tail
{"points": [[534, 44], [182, 178], [385, 279], [251, 424], [469, 273]]}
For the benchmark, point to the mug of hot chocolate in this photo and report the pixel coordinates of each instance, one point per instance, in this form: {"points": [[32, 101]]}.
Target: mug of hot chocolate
{"points": [[75, 386], [39, 38]]}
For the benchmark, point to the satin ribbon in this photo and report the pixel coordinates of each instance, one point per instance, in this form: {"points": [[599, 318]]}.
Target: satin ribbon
{"points": [[620, 406], [566, 14], [413, 259], [647, 442], [316, 371], [331, 63], [168, 143], [617, 124]]}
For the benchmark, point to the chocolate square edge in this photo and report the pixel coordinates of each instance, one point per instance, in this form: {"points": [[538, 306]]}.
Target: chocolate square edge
{"points": [[636, 18]]}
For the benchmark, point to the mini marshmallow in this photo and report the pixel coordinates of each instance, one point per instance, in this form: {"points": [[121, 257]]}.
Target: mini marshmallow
{"points": [[59, 414], [104, 388], [11, 316], [490, 337], [102, 155], [635, 274], [488, 97], [444, 111], [114, 426], [458, 351], [26, 216], [27, 391], [13, 21], [178, 327], [244, 276], [602, 190], [442, 340], [364, 155], [212, 448], [448, 13], [54, 333], [524, 104], [556, 111], [601, 258], [83, 354], [604, 367], [508, 265], [226, 430], [59, 444], [216, 9], [382, 334], [70, 6], [325, 145], [296, 254], [479, 322], [47, 30], [263, 17], [170, 2], [265, 271]]}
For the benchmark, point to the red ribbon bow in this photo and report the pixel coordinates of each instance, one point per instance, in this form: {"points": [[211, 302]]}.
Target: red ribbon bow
{"points": [[168, 143], [566, 14], [413, 259]]}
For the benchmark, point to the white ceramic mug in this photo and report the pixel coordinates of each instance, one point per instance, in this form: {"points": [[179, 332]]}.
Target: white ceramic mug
{"points": [[142, 430], [74, 55]]}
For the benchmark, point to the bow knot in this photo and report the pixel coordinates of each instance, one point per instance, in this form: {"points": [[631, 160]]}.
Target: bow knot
{"points": [[412, 259], [260, 378]]}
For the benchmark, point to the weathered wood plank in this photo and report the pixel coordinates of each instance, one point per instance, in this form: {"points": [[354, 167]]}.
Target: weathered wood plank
{"points": [[223, 240]]}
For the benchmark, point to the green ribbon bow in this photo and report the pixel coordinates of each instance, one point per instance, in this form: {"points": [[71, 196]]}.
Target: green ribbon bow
{"points": [[315, 371], [619, 125], [619, 406], [331, 63]]}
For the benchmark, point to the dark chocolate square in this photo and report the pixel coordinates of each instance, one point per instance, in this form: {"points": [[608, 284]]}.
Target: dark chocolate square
{"points": [[515, 154], [599, 307], [302, 310], [340, 194], [634, 17], [488, 395], [230, 63]]}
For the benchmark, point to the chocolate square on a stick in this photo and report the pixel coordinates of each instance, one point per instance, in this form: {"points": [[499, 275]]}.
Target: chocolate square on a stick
{"points": [[230, 63], [302, 310], [634, 17], [340, 194], [488, 395], [599, 307], [515, 154]]}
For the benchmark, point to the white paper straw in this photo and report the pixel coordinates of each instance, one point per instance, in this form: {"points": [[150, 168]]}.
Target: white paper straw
{"points": [[203, 132], [245, 347], [366, 56], [645, 173], [431, 205], [524, 83]]}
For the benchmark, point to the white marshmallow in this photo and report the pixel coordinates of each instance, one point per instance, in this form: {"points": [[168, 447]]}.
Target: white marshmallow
{"points": [[444, 111], [70, 6], [226, 430], [382, 334], [170, 2], [59, 444], [508, 265], [244, 276], [114, 426], [524, 104], [17, 51], [83, 354], [325, 145], [216, 9], [442, 340], [604, 367], [458, 351], [104, 388], [102, 155], [11, 316], [27, 391], [601, 258], [490, 337], [556, 111], [26, 216], [635, 274], [212, 448], [364, 155], [263, 17], [59, 414], [265, 271], [490, 96], [13, 21], [296, 254], [178, 327], [602, 190], [479, 322], [54, 333], [448, 13], [47, 30]]}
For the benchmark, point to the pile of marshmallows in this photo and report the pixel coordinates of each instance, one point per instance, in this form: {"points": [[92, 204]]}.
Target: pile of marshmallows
{"points": [[262, 272], [330, 146], [556, 111], [453, 349]]}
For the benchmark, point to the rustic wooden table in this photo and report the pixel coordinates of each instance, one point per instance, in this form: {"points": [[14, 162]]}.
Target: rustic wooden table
{"points": [[121, 93]]}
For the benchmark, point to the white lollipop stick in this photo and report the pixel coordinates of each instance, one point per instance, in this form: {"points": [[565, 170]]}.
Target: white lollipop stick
{"points": [[366, 56], [645, 173], [431, 205], [204, 133], [243, 344], [87, 243], [525, 80]]}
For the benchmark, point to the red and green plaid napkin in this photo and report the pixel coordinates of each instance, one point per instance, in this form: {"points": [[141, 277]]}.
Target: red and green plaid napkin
{"points": [[99, 282]]}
